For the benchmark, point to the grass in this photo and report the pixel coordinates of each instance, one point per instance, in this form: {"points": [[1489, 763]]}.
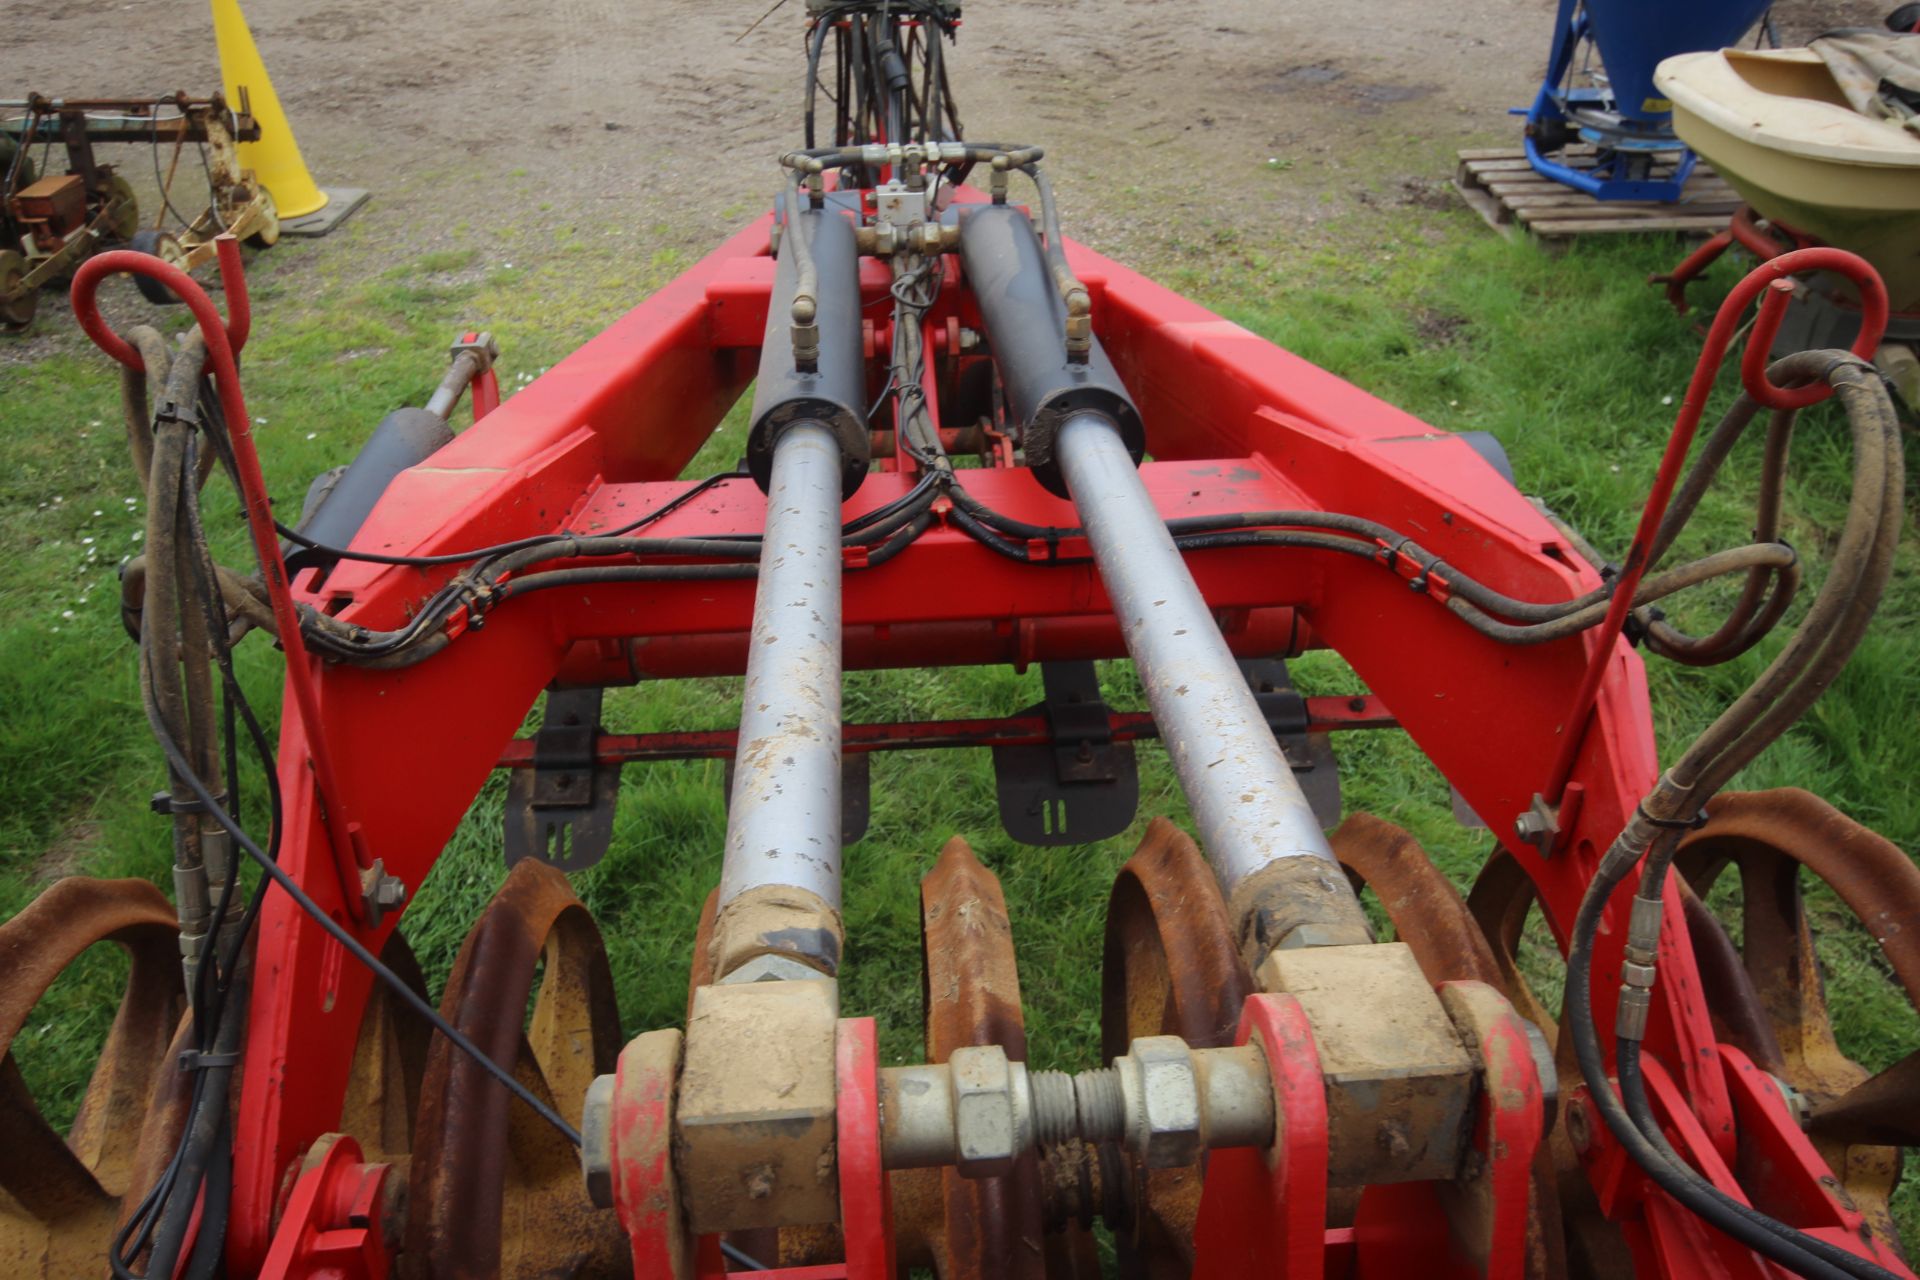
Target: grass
{"points": [[1570, 361]]}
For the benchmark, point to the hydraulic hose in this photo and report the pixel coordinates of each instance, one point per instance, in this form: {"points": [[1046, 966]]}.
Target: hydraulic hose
{"points": [[1811, 659]]}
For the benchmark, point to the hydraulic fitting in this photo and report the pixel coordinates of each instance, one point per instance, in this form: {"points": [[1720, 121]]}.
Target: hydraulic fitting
{"points": [[1026, 321], [815, 373]]}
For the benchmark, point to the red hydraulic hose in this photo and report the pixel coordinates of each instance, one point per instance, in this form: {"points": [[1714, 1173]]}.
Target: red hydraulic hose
{"points": [[1769, 276]]}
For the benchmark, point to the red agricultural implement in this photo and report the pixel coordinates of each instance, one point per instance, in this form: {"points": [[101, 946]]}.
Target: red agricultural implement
{"points": [[1281, 1094]]}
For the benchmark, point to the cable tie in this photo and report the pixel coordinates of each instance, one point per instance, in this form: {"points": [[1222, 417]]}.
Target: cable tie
{"points": [[170, 411], [1848, 360], [1635, 628], [1694, 823], [1419, 581], [166, 803], [194, 1060]]}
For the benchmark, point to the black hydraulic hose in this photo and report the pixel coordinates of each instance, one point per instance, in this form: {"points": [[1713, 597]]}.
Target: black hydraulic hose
{"points": [[986, 537], [1586, 1046], [183, 638], [192, 604], [218, 991], [134, 1235], [1772, 557], [922, 492], [206, 1124], [816, 43], [209, 1243], [597, 575], [1633, 1093], [1473, 602], [905, 520], [1647, 1145], [843, 83], [856, 58]]}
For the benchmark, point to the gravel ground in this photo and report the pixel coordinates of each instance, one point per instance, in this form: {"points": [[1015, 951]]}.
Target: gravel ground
{"points": [[512, 118], [664, 110]]}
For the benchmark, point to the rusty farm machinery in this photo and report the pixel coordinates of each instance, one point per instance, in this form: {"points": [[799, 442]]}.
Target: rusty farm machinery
{"points": [[972, 441], [50, 223]]}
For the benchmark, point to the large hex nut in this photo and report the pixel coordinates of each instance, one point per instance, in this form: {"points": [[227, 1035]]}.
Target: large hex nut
{"points": [[992, 1118], [1161, 1090]]}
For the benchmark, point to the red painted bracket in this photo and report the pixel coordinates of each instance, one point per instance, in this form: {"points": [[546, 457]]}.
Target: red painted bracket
{"points": [[1476, 1227], [866, 1203], [332, 1228], [1800, 1188], [1264, 1213]]}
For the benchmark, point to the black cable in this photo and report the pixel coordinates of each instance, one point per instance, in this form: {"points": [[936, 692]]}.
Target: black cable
{"points": [[486, 584], [30, 125], [153, 148], [268, 862], [132, 1237], [502, 548], [201, 1154], [213, 198]]}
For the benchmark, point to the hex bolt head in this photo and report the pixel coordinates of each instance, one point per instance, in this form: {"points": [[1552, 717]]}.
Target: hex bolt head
{"points": [[1795, 1102], [383, 894], [596, 1141], [991, 1113], [1162, 1091]]}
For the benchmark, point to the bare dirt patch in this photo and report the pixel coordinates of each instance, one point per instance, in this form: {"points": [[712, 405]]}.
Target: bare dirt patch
{"points": [[512, 118]]}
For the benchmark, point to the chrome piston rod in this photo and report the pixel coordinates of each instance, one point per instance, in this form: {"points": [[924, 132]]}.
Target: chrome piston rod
{"points": [[1247, 806], [783, 826]]}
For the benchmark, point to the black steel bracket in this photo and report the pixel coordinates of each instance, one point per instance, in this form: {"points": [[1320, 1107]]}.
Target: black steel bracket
{"points": [[560, 810], [1081, 787], [1309, 754]]}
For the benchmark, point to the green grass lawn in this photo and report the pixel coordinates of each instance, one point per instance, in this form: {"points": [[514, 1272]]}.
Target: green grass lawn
{"points": [[1571, 361]]}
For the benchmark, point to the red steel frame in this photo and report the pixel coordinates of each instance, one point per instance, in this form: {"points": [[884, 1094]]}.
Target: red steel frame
{"points": [[599, 439]]}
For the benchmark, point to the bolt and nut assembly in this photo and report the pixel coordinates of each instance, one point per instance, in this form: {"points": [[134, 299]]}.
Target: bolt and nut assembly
{"points": [[1165, 1101]]}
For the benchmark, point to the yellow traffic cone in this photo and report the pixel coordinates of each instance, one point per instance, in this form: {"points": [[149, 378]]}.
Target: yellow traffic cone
{"points": [[275, 159]]}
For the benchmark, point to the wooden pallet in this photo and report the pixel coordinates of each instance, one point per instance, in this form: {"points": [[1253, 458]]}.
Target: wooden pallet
{"points": [[1503, 188]]}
